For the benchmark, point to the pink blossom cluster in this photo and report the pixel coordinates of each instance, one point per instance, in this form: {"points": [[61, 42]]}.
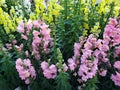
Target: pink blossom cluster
{"points": [[111, 38], [116, 78], [74, 61], [25, 69], [42, 40], [88, 55], [88, 60], [111, 34], [50, 72]]}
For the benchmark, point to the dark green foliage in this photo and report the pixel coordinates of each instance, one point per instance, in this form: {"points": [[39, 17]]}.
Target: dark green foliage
{"points": [[91, 84], [62, 81]]}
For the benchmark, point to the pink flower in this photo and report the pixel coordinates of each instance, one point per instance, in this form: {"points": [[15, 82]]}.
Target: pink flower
{"points": [[116, 79], [27, 62], [29, 26], [47, 73], [53, 68], [44, 26], [24, 37], [50, 72], [117, 65], [36, 24], [44, 65], [19, 48], [65, 67], [113, 21], [36, 33], [9, 46], [71, 63], [117, 51], [19, 61], [103, 73], [76, 49], [37, 56], [32, 72], [25, 70], [88, 45], [14, 42], [27, 81], [20, 27]]}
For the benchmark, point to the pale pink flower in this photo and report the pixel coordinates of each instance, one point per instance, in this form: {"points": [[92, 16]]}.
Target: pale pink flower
{"points": [[71, 63], [103, 73], [117, 65], [29, 26], [36, 33], [25, 69], [19, 61], [20, 27], [65, 67], [27, 62], [14, 42], [47, 73], [77, 47], [37, 56], [19, 48], [27, 81], [9, 46], [113, 21], [36, 24], [116, 78], [53, 68], [44, 65], [24, 37]]}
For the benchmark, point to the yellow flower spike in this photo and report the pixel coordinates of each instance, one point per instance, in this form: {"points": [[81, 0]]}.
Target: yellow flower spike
{"points": [[7, 30], [95, 29], [2, 2], [116, 10], [32, 16], [12, 11], [86, 26], [93, 2], [107, 9], [45, 16]]}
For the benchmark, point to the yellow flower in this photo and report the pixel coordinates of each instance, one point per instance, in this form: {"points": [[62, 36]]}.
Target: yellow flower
{"points": [[95, 29], [2, 2], [86, 26]]}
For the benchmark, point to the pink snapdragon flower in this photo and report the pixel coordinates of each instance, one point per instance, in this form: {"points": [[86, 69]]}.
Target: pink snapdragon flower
{"points": [[25, 70], [103, 73], [77, 47], [117, 51], [20, 27], [41, 40], [111, 33], [88, 70], [117, 65], [50, 72], [113, 21], [72, 64], [44, 65], [19, 48], [116, 78], [8, 46], [65, 67]]}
